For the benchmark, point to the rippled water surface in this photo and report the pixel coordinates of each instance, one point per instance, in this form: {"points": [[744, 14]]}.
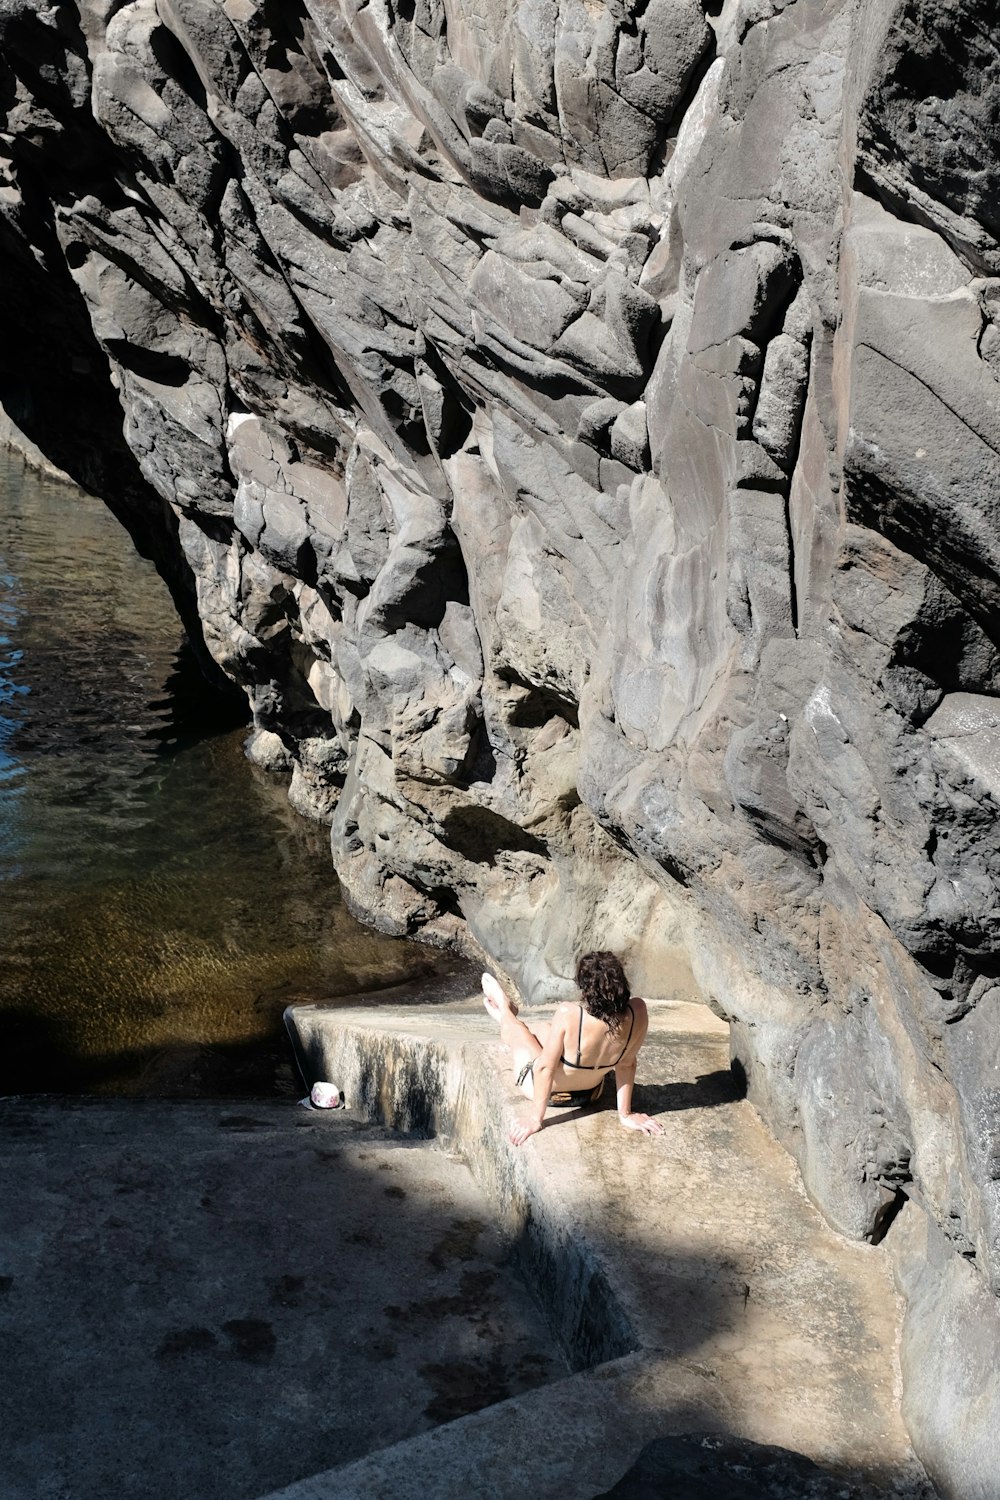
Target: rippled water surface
{"points": [[159, 902]]}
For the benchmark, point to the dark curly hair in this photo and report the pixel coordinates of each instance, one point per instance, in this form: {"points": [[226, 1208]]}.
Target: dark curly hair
{"points": [[605, 989]]}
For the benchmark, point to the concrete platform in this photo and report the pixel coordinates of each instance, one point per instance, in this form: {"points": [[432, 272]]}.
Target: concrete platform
{"points": [[691, 1282], [210, 1300]]}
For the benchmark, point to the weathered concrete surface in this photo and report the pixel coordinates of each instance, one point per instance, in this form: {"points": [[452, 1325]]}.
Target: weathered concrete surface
{"points": [[747, 1315], [211, 1300]]}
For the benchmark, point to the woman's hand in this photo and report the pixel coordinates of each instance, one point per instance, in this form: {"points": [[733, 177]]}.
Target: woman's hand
{"points": [[519, 1133], [645, 1123]]}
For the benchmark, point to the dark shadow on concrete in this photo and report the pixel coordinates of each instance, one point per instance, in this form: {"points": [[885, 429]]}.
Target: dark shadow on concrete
{"points": [[714, 1466], [706, 1092], [202, 1299], [206, 1300]]}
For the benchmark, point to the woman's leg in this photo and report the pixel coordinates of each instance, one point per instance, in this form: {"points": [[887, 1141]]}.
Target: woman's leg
{"points": [[523, 1053], [523, 1043]]}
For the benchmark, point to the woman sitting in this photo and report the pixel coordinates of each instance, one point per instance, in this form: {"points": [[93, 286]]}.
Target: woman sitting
{"points": [[566, 1060]]}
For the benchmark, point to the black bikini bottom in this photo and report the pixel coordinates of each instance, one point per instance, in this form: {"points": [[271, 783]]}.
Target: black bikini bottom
{"points": [[567, 1097]]}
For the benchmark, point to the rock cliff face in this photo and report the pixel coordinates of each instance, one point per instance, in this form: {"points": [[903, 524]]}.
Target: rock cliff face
{"points": [[580, 426]]}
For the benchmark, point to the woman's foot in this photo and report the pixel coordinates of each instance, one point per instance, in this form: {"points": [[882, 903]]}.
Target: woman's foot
{"points": [[495, 999]]}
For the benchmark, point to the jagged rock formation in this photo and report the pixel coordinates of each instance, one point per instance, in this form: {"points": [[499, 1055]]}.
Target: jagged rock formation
{"points": [[580, 425]]}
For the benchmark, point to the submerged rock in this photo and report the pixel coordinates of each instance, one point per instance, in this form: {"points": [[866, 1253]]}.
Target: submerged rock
{"points": [[576, 432]]}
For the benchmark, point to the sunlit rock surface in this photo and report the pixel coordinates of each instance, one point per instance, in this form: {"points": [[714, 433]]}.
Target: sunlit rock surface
{"points": [[579, 428]]}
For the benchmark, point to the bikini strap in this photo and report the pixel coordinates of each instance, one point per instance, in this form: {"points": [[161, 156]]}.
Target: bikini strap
{"points": [[579, 1039], [628, 1038]]}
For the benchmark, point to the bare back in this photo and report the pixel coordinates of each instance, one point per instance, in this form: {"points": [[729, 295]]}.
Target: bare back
{"points": [[588, 1049]]}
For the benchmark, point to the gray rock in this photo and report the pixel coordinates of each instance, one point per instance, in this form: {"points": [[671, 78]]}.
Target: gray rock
{"points": [[969, 724], [739, 293], [629, 438], [931, 156], [778, 418], [541, 308], [947, 1355]]}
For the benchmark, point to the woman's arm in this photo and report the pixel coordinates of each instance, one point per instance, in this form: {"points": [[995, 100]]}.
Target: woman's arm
{"points": [[542, 1072], [624, 1083]]}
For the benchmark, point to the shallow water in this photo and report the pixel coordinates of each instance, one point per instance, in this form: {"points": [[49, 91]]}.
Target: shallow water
{"points": [[160, 903]]}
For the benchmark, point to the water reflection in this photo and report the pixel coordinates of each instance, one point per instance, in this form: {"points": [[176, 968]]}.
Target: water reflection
{"points": [[11, 715], [159, 901]]}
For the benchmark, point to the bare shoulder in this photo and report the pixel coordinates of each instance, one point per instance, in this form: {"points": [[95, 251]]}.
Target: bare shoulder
{"points": [[564, 1014], [641, 1012]]}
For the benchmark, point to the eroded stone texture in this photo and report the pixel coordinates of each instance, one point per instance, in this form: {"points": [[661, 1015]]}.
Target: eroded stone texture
{"points": [[580, 427]]}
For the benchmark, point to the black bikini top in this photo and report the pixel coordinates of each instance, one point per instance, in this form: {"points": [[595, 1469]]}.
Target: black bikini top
{"points": [[598, 1067]]}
